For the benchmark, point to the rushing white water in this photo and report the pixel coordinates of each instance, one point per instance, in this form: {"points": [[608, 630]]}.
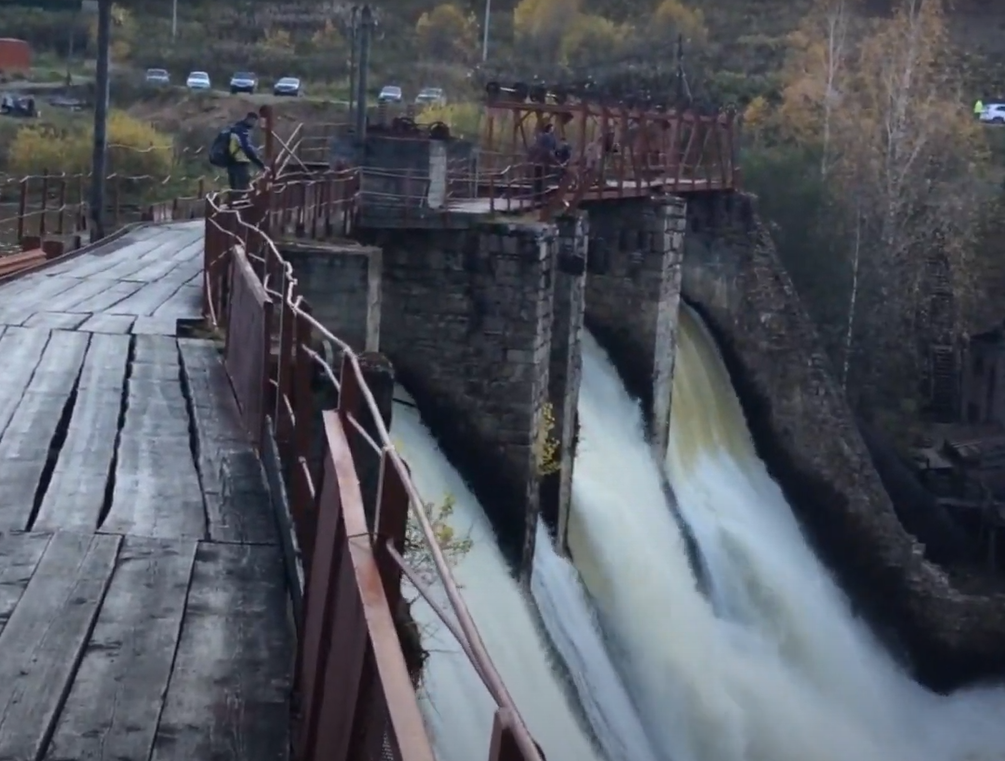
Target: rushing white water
{"points": [[456, 704], [771, 666]]}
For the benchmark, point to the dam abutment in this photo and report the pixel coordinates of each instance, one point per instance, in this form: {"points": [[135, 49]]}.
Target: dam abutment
{"points": [[633, 296], [806, 435]]}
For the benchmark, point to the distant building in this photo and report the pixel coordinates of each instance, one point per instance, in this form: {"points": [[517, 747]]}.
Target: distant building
{"points": [[983, 378], [15, 56]]}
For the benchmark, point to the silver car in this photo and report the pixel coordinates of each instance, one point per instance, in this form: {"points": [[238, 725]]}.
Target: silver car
{"points": [[198, 80], [158, 77]]}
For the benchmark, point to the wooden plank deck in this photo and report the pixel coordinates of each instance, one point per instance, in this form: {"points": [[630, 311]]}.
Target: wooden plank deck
{"points": [[143, 608]]}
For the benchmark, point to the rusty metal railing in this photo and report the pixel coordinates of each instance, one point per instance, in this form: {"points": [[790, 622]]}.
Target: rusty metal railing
{"points": [[356, 697]]}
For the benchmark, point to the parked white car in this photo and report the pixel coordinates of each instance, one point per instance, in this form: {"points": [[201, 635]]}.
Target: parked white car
{"points": [[993, 113], [390, 94], [198, 80]]}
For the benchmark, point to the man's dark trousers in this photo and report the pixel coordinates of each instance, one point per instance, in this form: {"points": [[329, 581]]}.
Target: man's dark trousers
{"points": [[239, 175]]}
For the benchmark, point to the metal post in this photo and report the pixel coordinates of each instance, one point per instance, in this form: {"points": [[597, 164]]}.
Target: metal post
{"points": [[174, 20], [353, 40], [99, 156], [485, 31], [69, 50], [366, 26]]}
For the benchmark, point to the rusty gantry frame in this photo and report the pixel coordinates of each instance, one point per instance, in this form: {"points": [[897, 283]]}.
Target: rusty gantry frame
{"points": [[615, 148]]}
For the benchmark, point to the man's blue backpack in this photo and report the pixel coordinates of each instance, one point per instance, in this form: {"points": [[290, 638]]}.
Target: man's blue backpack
{"points": [[219, 151]]}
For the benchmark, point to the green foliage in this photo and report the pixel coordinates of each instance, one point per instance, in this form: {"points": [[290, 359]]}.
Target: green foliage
{"points": [[134, 149], [453, 546], [448, 33]]}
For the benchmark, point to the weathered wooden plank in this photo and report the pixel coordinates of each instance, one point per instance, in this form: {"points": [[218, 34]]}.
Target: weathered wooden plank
{"points": [[21, 349], [112, 711], [238, 507], [68, 299], [187, 301], [148, 298], [43, 641], [108, 323], [157, 491], [15, 317], [155, 326], [156, 350], [75, 496], [127, 268], [228, 699], [19, 555], [108, 255], [76, 493], [34, 297], [113, 292], [61, 320], [26, 440], [105, 364]]}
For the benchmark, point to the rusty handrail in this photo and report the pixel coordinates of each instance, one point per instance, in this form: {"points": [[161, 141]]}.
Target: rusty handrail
{"points": [[240, 232]]}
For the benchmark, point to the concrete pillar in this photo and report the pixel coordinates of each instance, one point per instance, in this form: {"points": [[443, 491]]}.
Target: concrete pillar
{"points": [[437, 194], [666, 223], [565, 370], [632, 297], [342, 283], [378, 375], [467, 318]]}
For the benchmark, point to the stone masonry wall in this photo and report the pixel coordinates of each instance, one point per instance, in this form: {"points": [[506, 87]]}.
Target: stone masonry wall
{"points": [[342, 284], [806, 436], [633, 293], [566, 369], [467, 323]]}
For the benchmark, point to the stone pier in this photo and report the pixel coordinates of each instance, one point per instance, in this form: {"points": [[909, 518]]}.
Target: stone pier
{"points": [[342, 283], [632, 296], [467, 321], [565, 372]]}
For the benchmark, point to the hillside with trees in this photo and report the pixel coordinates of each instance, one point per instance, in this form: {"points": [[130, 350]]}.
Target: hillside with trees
{"points": [[859, 136]]}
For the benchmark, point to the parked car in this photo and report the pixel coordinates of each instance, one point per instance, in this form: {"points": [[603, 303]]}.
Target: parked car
{"points": [[18, 105], [198, 80], [390, 94], [158, 77], [287, 86], [993, 113], [243, 81], [431, 96]]}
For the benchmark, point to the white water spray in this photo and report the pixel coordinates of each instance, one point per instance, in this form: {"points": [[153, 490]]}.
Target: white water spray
{"points": [[457, 707], [771, 666]]}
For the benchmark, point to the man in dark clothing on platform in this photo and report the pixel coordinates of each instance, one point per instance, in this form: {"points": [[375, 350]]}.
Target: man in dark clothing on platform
{"points": [[242, 153], [543, 156]]}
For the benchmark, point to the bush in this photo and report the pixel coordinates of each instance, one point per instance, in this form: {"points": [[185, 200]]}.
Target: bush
{"points": [[135, 149]]}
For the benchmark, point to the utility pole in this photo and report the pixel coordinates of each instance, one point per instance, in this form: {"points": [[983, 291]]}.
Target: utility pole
{"points": [[100, 154], [485, 31], [174, 20], [353, 39], [365, 27]]}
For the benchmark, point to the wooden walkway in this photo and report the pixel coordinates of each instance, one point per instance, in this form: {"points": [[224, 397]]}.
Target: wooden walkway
{"points": [[143, 612]]}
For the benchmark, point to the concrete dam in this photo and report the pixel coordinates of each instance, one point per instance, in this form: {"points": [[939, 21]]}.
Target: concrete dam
{"points": [[678, 583]]}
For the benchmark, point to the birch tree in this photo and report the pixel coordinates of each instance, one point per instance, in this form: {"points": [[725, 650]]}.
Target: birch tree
{"points": [[903, 158], [816, 74]]}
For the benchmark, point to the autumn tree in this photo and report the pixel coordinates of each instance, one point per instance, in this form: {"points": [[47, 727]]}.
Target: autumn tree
{"points": [[588, 38], [672, 18], [902, 157], [539, 25], [123, 33], [447, 33], [816, 74]]}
